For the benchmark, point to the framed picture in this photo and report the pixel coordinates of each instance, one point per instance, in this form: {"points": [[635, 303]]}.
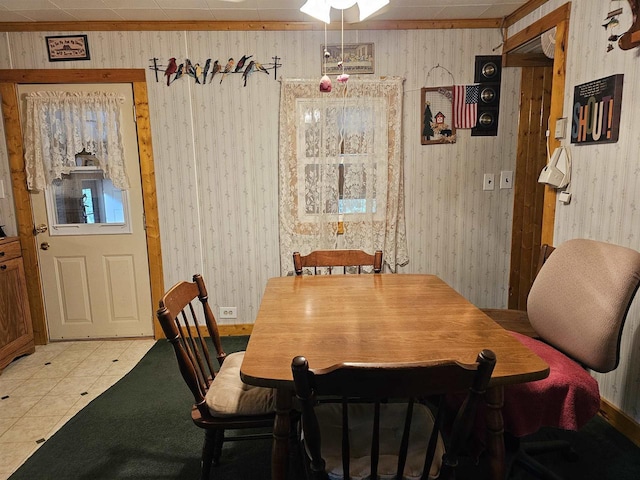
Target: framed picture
{"points": [[63, 48], [358, 58], [436, 116], [596, 111]]}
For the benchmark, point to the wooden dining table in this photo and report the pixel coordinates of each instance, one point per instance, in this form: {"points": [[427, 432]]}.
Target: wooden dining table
{"points": [[377, 318]]}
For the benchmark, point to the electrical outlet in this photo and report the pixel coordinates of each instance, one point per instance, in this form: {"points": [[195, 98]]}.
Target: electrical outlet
{"points": [[1, 188], [228, 312], [488, 182], [506, 179]]}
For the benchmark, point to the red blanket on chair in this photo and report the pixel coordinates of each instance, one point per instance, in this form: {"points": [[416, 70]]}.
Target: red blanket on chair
{"points": [[568, 398]]}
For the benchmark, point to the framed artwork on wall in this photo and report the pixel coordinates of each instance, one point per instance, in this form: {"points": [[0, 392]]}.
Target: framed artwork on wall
{"points": [[436, 116], [596, 111], [64, 48], [357, 58]]}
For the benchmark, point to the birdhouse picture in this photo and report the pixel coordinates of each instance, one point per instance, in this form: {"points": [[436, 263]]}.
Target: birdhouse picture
{"points": [[434, 128]]}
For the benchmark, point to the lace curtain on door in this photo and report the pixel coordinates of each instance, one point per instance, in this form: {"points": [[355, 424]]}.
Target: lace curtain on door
{"points": [[62, 124], [341, 165]]}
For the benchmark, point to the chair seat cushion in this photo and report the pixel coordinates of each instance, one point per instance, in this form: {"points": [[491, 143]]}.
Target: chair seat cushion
{"points": [[360, 431], [568, 398], [228, 395]]}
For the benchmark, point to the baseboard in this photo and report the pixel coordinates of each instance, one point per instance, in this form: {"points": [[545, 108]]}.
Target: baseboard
{"points": [[620, 421], [231, 330]]}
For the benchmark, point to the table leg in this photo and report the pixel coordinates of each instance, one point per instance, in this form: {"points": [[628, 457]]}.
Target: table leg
{"points": [[281, 428], [494, 398]]}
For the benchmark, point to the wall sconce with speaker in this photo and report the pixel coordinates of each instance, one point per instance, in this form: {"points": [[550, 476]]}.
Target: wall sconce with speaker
{"points": [[488, 73]]}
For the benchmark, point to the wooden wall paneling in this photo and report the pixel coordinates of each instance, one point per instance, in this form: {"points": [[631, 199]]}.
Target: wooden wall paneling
{"points": [[22, 199]]}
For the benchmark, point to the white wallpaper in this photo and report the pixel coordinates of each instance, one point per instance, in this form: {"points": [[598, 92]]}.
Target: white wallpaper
{"points": [[606, 178]]}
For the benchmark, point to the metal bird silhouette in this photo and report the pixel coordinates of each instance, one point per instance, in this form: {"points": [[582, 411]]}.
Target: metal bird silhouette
{"points": [[248, 71], [613, 21], [170, 70], [189, 68], [216, 68], [261, 68], [241, 63], [179, 72], [228, 67], [207, 65]]}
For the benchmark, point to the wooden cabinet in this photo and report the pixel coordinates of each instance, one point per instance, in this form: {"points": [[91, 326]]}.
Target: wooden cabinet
{"points": [[16, 331]]}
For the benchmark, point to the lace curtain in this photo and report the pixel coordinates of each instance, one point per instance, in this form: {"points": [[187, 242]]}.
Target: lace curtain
{"points": [[341, 164], [61, 124]]}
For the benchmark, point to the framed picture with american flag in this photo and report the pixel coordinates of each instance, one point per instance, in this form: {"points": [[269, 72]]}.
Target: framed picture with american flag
{"points": [[436, 116]]}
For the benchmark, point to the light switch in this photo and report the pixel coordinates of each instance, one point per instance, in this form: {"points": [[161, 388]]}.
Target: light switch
{"points": [[506, 179], [561, 127], [488, 182]]}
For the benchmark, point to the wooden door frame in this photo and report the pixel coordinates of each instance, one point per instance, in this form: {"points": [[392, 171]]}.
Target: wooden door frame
{"points": [[9, 81], [559, 18]]}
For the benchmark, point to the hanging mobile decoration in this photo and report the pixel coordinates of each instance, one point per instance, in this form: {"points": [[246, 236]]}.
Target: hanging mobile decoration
{"points": [[611, 24], [325, 81], [343, 77]]}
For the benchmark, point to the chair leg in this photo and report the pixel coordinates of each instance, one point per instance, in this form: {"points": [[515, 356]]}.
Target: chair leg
{"points": [[218, 440], [208, 453]]}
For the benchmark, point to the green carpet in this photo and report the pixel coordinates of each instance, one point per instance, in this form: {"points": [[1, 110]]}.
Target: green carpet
{"points": [[141, 429]]}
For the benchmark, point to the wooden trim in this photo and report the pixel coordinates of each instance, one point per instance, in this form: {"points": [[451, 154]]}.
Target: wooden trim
{"points": [[22, 202], [523, 11], [557, 108], [559, 18], [124, 75], [526, 60], [149, 199], [620, 421], [224, 330], [537, 28], [9, 79], [246, 26]]}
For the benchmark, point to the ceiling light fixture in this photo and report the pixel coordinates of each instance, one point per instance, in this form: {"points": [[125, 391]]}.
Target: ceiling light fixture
{"points": [[320, 9]]}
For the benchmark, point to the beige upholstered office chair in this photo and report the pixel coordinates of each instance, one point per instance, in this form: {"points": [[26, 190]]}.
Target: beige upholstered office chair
{"points": [[337, 258], [363, 436], [577, 306], [518, 320], [222, 400]]}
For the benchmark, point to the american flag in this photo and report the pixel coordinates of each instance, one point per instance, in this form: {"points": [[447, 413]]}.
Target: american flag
{"points": [[465, 105]]}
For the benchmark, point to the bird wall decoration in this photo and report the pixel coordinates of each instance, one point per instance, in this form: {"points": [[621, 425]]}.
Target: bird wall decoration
{"points": [[202, 75]]}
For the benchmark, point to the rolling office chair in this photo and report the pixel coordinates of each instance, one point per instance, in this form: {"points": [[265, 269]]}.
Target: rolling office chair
{"points": [[577, 307]]}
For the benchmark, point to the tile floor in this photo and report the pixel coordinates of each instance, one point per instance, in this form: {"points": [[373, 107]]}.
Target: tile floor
{"points": [[39, 393]]}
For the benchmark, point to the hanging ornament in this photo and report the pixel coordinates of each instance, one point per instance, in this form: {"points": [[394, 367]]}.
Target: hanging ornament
{"points": [[325, 84], [325, 81]]}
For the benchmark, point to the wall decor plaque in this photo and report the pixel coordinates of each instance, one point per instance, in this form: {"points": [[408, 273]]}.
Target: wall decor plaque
{"points": [[62, 48], [596, 111]]}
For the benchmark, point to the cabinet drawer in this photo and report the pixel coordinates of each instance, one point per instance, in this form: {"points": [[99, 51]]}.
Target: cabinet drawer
{"points": [[9, 250]]}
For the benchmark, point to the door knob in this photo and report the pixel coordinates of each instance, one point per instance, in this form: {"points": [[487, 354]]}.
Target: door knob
{"points": [[44, 246], [40, 229]]}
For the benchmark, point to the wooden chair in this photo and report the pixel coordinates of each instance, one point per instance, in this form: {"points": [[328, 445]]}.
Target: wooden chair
{"points": [[577, 306], [222, 400], [337, 258], [518, 320], [367, 435]]}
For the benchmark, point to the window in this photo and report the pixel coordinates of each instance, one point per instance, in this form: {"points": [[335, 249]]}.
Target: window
{"points": [[340, 165], [83, 202]]}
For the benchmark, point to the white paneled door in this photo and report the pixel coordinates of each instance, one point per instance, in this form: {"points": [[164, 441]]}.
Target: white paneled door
{"points": [[91, 242]]}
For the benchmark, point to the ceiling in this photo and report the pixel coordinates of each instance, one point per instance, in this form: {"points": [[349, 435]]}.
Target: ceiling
{"points": [[239, 10]]}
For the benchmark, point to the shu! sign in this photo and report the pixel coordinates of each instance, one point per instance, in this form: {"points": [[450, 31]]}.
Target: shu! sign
{"points": [[596, 111]]}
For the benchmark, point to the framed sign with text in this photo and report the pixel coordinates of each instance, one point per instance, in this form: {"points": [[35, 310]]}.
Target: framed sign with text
{"points": [[596, 111], [64, 48]]}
